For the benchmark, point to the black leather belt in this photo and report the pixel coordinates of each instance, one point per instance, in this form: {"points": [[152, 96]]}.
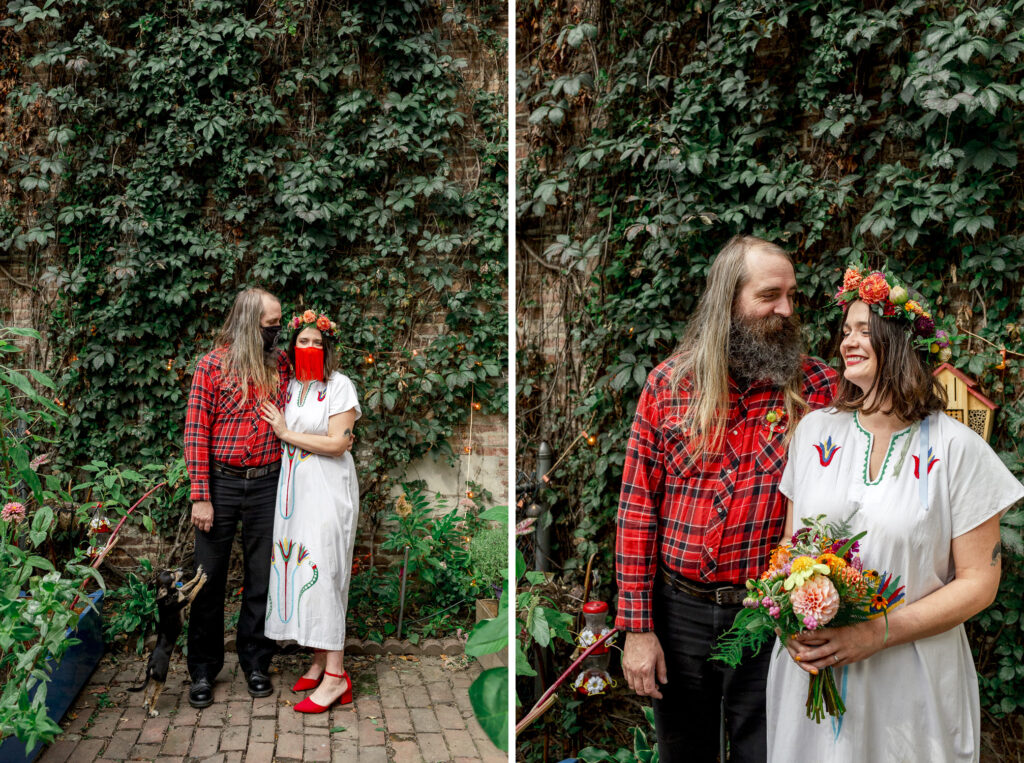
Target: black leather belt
{"points": [[726, 595], [246, 473]]}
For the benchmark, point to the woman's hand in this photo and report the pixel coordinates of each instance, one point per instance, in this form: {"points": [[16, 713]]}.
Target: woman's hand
{"points": [[830, 647], [271, 414], [798, 649]]}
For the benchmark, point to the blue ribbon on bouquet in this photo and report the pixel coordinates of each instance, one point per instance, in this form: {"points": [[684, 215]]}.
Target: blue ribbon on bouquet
{"points": [[837, 723]]}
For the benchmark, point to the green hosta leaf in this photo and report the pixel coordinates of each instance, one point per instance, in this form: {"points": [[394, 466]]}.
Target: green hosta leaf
{"points": [[488, 695], [496, 514], [488, 636]]}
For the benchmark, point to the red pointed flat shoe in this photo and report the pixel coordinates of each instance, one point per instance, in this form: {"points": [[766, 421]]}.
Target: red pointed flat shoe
{"points": [[305, 684], [309, 706]]}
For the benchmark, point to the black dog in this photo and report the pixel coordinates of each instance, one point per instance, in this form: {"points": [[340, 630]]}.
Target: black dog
{"points": [[172, 596]]}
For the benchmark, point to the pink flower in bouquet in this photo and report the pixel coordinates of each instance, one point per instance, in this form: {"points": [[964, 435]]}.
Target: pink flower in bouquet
{"points": [[13, 512], [817, 598]]}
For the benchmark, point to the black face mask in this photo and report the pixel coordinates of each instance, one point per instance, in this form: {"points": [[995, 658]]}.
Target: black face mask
{"points": [[270, 335]]}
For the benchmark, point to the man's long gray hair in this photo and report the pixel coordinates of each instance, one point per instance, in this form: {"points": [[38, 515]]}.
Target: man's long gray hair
{"points": [[245, 361], [703, 353]]}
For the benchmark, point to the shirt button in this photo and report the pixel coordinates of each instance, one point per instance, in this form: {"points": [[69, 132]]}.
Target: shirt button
{"points": [[735, 432]]}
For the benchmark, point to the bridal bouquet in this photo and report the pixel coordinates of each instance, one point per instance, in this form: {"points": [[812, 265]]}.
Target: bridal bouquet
{"points": [[815, 581]]}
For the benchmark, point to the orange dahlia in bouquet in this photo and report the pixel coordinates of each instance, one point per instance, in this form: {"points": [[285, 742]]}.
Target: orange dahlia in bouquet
{"points": [[816, 579]]}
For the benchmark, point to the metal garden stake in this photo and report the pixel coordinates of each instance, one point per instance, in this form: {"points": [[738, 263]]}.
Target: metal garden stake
{"points": [[401, 595]]}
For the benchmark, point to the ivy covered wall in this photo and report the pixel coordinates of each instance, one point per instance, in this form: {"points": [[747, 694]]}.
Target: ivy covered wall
{"points": [[350, 155], [650, 132]]}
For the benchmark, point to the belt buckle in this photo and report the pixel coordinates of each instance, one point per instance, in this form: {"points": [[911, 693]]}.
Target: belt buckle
{"points": [[720, 594], [251, 472]]}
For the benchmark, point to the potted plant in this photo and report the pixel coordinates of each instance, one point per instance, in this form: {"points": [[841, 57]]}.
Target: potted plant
{"points": [[41, 621], [68, 675], [50, 636]]}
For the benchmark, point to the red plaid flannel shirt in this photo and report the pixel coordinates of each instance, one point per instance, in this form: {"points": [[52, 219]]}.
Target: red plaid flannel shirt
{"points": [[713, 521], [219, 428]]}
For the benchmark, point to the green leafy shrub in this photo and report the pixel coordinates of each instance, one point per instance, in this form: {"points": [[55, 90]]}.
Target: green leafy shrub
{"points": [[131, 611], [440, 586], [644, 750], [38, 594], [488, 556]]}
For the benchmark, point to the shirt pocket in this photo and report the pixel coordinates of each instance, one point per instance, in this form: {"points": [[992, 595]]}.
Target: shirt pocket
{"points": [[678, 445], [771, 452], [230, 399]]}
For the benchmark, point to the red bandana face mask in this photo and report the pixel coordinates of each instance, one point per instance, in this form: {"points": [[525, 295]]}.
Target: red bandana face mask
{"points": [[309, 364]]}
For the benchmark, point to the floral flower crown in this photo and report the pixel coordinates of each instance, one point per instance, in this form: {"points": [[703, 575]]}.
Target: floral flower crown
{"points": [[890, 299], [314, 318]]}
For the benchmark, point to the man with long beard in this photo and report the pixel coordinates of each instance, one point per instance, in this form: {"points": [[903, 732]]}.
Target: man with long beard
{"points": [[700, 508], [234, 460]]}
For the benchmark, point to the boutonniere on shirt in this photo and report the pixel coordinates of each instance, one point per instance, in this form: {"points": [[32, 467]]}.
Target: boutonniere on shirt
{"points": [[777, 421]]}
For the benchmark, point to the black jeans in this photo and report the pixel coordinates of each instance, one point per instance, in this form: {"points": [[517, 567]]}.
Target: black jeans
{"points": [[687, 717], [253, 502]]}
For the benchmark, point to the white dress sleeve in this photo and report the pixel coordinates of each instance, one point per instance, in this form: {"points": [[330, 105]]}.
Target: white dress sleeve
{"points": [[787, 485], [341, 395], [980, 485]]}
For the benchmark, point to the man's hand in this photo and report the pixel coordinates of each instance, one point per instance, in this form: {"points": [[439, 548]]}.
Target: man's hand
{"points": [[643, 664], [202, 515]]}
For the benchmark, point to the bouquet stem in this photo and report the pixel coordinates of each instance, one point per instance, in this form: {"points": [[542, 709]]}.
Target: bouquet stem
{"points": [[823, 696]]}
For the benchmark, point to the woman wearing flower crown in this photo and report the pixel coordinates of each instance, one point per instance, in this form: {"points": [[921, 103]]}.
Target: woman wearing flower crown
{"points": [[317, 510], [929, 492]]}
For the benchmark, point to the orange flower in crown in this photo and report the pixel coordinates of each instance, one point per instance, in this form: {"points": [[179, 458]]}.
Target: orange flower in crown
{"points": [[873, 289], [315, 319], [851, 280]]}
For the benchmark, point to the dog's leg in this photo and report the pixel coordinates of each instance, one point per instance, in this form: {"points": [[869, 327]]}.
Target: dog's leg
{"points": [[197, 589], [158, 686], [200, 575]]}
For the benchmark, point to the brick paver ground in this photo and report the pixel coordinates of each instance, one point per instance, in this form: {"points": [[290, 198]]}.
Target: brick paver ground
{"points": [[406, 709]]}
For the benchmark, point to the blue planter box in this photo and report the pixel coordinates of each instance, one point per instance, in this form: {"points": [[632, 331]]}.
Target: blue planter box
{"points": [[67, 678]]}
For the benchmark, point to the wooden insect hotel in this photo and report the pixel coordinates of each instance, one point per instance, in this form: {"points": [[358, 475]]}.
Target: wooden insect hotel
{"points": [[965, 403]]}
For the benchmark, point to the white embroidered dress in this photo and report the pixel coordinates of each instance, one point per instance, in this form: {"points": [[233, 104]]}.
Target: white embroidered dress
{"points": [[916, 701], [315, 524]]}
